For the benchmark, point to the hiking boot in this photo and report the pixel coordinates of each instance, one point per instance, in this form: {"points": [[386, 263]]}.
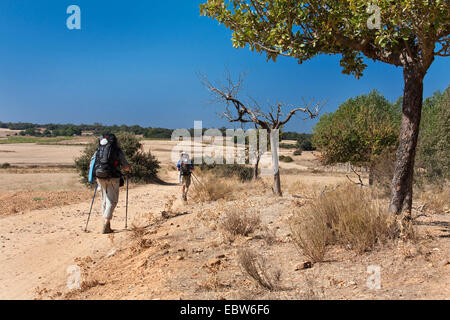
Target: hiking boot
{"points": [[107, 228]]}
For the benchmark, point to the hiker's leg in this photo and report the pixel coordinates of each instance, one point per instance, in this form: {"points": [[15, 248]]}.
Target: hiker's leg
{"points": [[112, 198], [187, 184], [102, 186]]}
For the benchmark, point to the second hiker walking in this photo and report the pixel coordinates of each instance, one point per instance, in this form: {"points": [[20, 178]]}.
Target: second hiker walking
{"points": [[185, 168]]}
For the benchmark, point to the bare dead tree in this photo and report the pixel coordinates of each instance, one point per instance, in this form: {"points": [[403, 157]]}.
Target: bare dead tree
{"points": [[238, 111]]}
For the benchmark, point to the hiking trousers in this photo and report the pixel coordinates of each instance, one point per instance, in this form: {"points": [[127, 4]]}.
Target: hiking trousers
{"points": [[110, 195]]}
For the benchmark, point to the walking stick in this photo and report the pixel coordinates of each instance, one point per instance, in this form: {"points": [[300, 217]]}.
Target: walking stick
{"points": [[92, 204], [198, 180], [126, 210]]}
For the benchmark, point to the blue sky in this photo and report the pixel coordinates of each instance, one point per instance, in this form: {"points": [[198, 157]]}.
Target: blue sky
{"points": [[137, 62]]}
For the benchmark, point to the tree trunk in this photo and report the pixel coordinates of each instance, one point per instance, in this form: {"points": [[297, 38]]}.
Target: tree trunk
{"points": [[274, 136], [371, 174], [277, 184], [256, 167], [402, 184]]}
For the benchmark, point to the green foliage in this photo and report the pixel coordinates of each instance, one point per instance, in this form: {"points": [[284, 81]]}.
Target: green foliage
{"points": [[286, 159], [360, 129], [242, 172], [5, 165], [287, 146], [157, 133], [304, 29], [433, 153], [304, 142], [144, 166], [83, 161], [129, 144]]}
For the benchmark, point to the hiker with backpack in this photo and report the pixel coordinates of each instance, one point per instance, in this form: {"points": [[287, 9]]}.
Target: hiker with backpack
{"points": [[185, 168], [107, 161]]}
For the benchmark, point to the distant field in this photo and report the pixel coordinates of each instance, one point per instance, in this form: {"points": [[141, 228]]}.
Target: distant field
{"points": [[32, 154], [14, 140]]}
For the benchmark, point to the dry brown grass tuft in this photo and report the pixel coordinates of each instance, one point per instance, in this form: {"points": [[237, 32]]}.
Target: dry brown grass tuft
{"points": [[210, 188], [348, 216], [256, 267], [304, 190], [238, 222], [435, 199]]}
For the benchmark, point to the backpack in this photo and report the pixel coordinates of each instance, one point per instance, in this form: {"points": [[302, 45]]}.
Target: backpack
{"points": [[185, 166], [107, 160]]}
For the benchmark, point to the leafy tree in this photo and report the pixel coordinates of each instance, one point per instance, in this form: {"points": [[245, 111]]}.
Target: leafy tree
{"points": [[361, 128], [433, 153], [410, 34]]}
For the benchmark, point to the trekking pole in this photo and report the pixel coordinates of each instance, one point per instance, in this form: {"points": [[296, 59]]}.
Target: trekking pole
{"points": [[126, 210], [198, 180], [92, 204]]}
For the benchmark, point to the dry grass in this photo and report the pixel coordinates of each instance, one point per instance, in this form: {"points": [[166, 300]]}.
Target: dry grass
{"points": [[238, 222], [210, 188], [435, 199], [256, 267], [348, 216], [304, 190]]}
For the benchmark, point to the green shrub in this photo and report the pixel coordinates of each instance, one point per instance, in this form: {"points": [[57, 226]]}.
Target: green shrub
{"points": [[286, 159], [5, 165], [144, 166], [244, 173], [287, 146], [433, 152]]}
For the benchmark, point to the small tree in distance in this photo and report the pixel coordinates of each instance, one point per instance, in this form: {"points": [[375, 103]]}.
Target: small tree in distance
{"points": [[237, 111]]}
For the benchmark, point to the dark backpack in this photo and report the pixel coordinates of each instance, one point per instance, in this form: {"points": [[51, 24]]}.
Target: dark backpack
{"points": [[185, 167], [107, 159]]}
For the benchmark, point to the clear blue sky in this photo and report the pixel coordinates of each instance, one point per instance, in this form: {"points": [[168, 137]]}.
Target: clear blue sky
{"points": [[135, 62]]}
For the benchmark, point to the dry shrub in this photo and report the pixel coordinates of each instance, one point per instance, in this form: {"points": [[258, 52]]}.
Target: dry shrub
{"points": [[138, 236], [383, 172], [348, 216], [304, 190], [238, 222], [269, 235], [311, 234], [435, 199], [210, 188], [256, 267]]}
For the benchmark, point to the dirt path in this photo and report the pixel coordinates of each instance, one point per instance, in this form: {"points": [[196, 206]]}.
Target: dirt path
{"points": [[37, 247]]}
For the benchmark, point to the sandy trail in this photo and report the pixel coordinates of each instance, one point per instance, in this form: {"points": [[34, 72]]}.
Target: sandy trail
{"points": [[37, 247]]}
